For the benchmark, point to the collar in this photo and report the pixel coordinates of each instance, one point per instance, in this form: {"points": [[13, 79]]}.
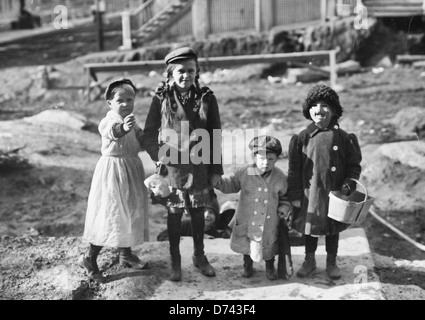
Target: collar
{"points": [[113, 115], [312, 129]]}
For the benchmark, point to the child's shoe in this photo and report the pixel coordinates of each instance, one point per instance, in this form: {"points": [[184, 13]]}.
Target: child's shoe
{"points": [[128, 259], [331, 267], [176, 269], [202, 262], [309, 265], [92, 269], [248, 268], [270, 271]]}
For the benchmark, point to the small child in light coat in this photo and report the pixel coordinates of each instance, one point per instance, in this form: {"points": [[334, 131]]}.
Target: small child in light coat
{"points": [[263, 203]]}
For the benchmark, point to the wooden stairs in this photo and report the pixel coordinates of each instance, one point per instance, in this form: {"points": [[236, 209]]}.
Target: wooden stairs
{"points": [[391, 8], [146, 24]]}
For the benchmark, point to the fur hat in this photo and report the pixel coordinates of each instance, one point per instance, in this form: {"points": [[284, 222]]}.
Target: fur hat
{"points": [[265, 143], [321, 92], [116, 83], [181, 53]]}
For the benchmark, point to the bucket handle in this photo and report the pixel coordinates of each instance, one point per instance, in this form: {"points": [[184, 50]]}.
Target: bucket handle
{"points": [[364, 188]]}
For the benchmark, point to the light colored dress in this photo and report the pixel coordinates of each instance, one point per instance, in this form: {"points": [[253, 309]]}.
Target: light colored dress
{"points": [[117, 209]]}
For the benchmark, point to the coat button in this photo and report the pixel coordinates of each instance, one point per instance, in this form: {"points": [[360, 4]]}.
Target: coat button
{"points": [[333, 169], [256, 200], [335, 148], [259, 189], [253, 223], [266, 190], [255, 212], [268, 217], [266, 201], [336, 127]]}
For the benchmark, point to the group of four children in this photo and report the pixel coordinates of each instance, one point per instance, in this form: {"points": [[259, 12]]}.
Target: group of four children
{"points": [[322, 158]]}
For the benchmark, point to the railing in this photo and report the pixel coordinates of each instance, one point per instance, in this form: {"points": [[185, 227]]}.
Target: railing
{"points": [[142, 14], [393, 8], [148, 12], [214, 62]]}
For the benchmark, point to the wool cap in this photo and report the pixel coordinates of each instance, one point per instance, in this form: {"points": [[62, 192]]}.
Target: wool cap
{"points": [[181, 53], [265, 143], [116, 83], [322, 92]]}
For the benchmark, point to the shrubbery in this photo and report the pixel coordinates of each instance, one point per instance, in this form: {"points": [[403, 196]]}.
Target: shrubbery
{"points": [[12, 160]]}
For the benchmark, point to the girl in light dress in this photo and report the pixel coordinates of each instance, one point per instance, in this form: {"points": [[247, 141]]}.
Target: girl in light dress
{"points": [[117, 210]]}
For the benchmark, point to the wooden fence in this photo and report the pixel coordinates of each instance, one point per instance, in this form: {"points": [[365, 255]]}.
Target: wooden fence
{"points": [[92, 69]]}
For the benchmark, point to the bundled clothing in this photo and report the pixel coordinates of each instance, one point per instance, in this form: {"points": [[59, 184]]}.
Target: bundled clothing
{"points": [[320, 161], [170, 132]]}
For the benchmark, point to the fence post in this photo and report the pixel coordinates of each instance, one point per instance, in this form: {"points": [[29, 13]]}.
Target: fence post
{"points": [[126, 31], [258, 15], [200, 19], [332, 68], [266, 19], [331, 9], [323, 10]]}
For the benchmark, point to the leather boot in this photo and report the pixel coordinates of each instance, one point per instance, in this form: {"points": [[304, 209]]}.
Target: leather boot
{"points": [[248, 268], [89, 262], [129, 260], [176, 269], [270, 271], [331, 267], [174, 227], [309, 265], [202, 263], [199, 259]]}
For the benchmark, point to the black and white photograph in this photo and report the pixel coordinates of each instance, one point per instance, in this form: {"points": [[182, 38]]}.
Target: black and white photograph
{"points": [[212, 156]]}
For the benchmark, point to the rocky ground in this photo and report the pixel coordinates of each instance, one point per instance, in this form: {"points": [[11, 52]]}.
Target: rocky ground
{"points": [[52, 134]]}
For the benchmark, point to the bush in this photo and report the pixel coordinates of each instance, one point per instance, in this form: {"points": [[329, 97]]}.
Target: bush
{"points": [[12, 160]]}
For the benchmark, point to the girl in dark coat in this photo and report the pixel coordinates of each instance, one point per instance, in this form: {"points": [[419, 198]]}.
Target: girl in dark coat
{"points": [[322, 158], [182, 117]]}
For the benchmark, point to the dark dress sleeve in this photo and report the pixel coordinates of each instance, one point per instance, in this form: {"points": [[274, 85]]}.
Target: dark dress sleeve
{"points": [[152, 126], [295, 185], [352, 161], [214, 124]]}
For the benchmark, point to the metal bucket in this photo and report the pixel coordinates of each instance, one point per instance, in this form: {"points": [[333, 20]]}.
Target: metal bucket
{"points": [[349, 209]]}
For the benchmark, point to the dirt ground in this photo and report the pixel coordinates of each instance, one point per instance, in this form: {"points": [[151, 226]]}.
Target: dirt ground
{"points": [[49, 197]]}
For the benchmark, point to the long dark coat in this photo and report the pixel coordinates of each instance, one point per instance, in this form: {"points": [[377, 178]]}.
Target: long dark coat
{"points": [[320, 161]]}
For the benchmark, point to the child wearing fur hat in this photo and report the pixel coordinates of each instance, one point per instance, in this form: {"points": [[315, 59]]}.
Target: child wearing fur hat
{"points": [[179, 109], [263, 205], [322, 158], [117, 209]]}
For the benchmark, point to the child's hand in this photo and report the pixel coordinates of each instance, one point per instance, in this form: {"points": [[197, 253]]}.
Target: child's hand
{"points": [[346, 190], [296, 203], [284, 215], [215, 179], [129, 122]]}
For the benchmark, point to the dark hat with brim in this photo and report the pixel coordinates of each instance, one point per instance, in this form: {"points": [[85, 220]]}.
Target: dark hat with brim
{"points": [[265, 144], [116, 83], [181, 53]]}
